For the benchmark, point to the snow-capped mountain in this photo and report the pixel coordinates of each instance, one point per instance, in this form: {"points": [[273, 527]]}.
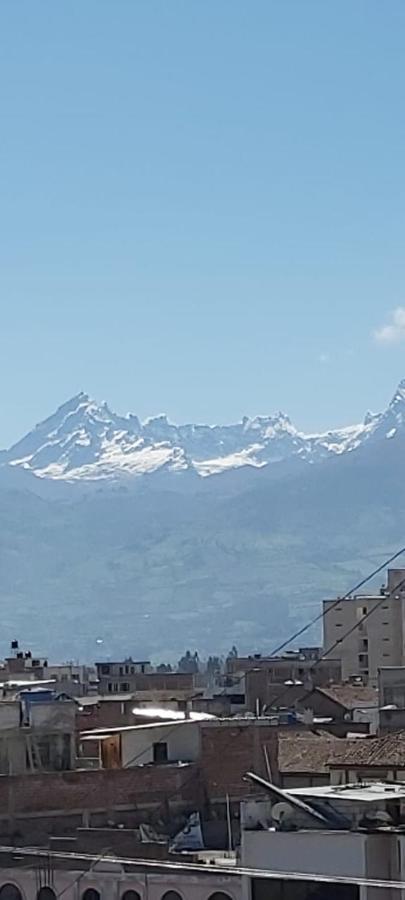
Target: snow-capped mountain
{"points": [[87, 441]]}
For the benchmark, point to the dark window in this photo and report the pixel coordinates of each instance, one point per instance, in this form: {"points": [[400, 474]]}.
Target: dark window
{"points": [[132, 670], [109, 686], [127, 670], [115, 687], [105, 670], [282, 889], [121, 670], [160, 756], [46, 893], [90, 894], [124, 686], [171, 895], [10, 892], [131, 895], [219, 895]]}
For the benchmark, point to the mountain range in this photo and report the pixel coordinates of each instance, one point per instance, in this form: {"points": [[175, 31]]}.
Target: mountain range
{"points": [[88, 442], [119, 536]]}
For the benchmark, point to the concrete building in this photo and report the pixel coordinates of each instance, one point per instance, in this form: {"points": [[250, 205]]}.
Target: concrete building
{"points": [[379, 638], [352, 842], [30, 876], [391, 689], [297, 665], [130, 676], [37, 733]]}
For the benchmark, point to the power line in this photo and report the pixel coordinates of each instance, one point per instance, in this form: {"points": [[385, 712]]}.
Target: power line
{"points": [[340, 640], [321, 615], [346, 596], [206, 868], [317, 662]]}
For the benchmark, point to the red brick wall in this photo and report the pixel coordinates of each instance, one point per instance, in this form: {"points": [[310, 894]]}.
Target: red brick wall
{"points": [[100, 789], [228, 752]]}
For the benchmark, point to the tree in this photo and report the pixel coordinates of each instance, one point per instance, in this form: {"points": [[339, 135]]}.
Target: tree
{"points": [[214, 665], [163, 668], [189, 663]]}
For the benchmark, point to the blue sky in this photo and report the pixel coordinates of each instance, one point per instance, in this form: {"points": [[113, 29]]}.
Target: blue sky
{"points": [[202, 207]]}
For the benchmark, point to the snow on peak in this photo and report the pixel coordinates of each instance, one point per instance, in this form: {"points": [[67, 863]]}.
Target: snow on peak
{"points": [[85, 440]]}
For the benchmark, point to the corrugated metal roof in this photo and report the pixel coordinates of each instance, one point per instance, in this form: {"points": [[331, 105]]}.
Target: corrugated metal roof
{"points": [[369, 792]]}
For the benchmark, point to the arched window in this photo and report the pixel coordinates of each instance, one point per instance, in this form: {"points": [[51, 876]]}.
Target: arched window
{"points": [[90, 894], [169, 895], [219, 895], [10, 892], [46, 893], [131, 895]]}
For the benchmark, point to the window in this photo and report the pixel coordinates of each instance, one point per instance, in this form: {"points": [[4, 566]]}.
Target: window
{"points": [[364, 610], [364, 643], [132, 670], [46, 893], [90, 894], [385, 639], [10, 892], [171, 895], [105, 670], [121, 670], [124, 686], [159, 756], [115, 687], [109, 687], [219, 895], [338, 624], [131, 895], [127, 670]]}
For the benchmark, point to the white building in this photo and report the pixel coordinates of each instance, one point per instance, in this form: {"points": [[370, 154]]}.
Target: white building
{"points": [[30, 876], [358, 840]]}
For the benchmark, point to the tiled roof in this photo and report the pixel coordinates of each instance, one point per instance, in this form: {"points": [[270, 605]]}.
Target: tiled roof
{"points": [[371, 751], [307, 753], [352, 696]]}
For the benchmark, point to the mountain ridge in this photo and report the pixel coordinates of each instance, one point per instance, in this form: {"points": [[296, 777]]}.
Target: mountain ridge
{"points": [[85, 441]]}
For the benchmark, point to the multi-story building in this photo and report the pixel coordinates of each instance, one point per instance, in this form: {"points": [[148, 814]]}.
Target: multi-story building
{"points": [[131, 676], [374, 625], [302, 665]]}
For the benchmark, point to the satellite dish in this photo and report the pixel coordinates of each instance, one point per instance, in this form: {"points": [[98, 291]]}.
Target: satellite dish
{"points": [[282, 813]]}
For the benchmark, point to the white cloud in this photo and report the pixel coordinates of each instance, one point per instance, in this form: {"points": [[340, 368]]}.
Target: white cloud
{"points": [[394, 331]]}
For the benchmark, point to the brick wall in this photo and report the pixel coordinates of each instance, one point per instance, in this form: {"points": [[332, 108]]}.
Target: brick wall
{"points": [[97, 790], [228, 752]]}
